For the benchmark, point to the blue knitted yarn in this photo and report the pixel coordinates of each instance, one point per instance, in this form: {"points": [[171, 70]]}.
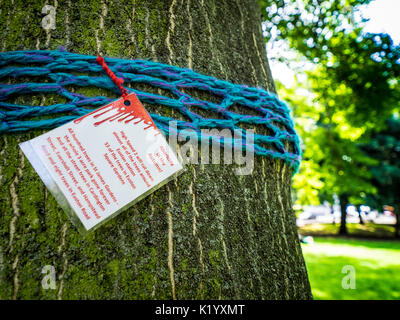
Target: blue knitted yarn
{"points": [[60, 66]]}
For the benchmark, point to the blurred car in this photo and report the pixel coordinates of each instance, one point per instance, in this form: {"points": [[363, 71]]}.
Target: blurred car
{"points": [[315, 214]]}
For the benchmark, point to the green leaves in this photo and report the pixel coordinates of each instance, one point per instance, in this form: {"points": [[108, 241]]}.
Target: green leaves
{"points": [[348, 94], [329, 34], [384, 146]]}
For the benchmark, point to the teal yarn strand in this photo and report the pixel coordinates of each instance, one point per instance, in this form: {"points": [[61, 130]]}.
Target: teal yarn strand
{"points": [[64, 69]]}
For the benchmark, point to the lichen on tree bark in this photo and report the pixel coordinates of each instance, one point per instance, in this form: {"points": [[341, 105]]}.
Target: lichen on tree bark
{"points": [[209, 233]]}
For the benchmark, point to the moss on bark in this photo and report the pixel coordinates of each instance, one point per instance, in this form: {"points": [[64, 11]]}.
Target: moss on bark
{"points": [[208, 234]]}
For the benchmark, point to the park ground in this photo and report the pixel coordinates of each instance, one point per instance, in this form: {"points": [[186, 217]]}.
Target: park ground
{"points": [[370, 249]]}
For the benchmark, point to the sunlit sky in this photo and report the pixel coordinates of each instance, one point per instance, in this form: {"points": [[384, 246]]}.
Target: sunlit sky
{"points": [[383, 17]]}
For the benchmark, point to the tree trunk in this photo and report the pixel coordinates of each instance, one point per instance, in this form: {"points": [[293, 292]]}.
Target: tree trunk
{"points": [[397, 226], [360, 215], [344, 200], [208, 234]]}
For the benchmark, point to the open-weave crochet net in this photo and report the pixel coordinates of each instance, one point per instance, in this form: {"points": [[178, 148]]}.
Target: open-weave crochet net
{"points": [[57, 71]]}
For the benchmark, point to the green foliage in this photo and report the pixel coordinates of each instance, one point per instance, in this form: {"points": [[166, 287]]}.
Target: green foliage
{"points": [[384, 146], [329, 34], [351, 88], [332, 161]]}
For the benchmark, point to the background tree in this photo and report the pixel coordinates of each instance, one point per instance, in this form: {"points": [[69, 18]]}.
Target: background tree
{"points": [[351, 84], [384, 146], [208, 234], [332, 163]]}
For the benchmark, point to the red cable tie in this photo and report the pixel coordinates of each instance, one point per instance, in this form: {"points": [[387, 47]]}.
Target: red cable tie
{"points": [[118, 81]]}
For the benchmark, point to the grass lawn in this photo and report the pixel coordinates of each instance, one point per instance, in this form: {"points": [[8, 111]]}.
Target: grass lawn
{"points": [[376, 264]]}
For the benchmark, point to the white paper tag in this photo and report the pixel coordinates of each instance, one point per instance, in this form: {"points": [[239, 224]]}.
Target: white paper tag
{"points": [[103, 162]]}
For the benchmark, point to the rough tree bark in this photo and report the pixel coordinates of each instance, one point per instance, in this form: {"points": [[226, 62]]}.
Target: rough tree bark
{"points": [[360, 214], [208, 234], [344, 200]]}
